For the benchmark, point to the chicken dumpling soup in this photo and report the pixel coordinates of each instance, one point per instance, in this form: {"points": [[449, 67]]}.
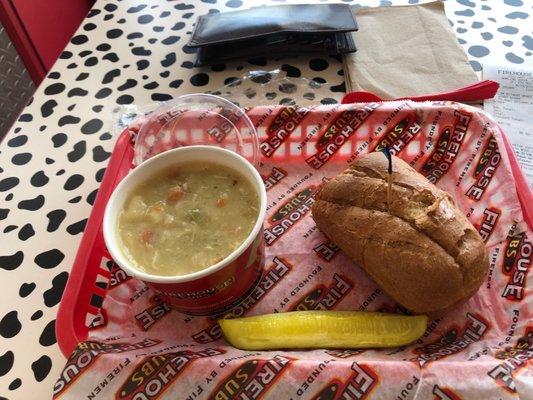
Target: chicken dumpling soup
{"points": [[186, 218]]}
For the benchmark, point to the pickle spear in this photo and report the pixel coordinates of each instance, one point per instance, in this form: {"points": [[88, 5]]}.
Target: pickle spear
{"points": [[322, 329]]}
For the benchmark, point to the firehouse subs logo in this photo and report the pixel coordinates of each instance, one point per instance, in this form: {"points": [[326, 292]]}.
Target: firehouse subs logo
{"points": [[324, 297], [281, 128], [292, 211], [516, 265], [326, 251], [447, 147], [225, 124], [397, 138], [86, 354], [485, 169], [453, 341], [274, 177], [155, 374], [442, 393], [271, 278], [118, 276], [490, 218], [251, 380], [146, 318], [515, 358], [338, 132], [358, 386]]}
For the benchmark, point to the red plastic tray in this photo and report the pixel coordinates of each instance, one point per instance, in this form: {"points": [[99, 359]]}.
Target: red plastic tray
{"points": [[87, 284]]}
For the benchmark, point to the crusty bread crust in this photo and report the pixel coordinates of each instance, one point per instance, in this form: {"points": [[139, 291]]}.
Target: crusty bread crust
{"points": [[422, 251]]}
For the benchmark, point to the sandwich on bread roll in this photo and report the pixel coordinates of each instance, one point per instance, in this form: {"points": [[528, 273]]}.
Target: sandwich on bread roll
{"points": [[421, 249]]}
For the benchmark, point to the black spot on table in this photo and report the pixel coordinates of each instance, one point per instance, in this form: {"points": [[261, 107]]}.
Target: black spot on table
{"points": [[10, 325], [478, 51], [99, 175], [92, 196], [292, 71], [17, 141], [48, 335], [11, 261], [103, 47], [73, 182], [32, 204], [65, 55], [21, 158], [318, 64], [9, 228], [338, 88], [36, 315], [85, 53], [142, 64], [47, 108], [89, 26], [26, 289], [105, 136], [49, 259], [49, 160], [79, 39], [137, 8], [232, 81], [125, 99], [68, 120], [59, 139], [41, 367], [176, 83], [39, 179], [77, 227], [152, 40], [6, 362], [15, 384], [287, 88], [514, 58], [234, 3], [200, 79], [25, 118], [188, 50], [328, 100], [178, 25], [97, 108], [109, 76], [128, 84], [55, 218], [151, 85], [134, 35], [183, 6], [465, 13], [170, 40], [161, 97], [77, 92], [111, 57], [72, 66], [52, 296], [8, 183], [103, 93], [99, 154], [75, 200], [164, 14], [77, 151], [26, 232], [60, 172], [114, 33], [170, 59], [509, 30], [145, 19], [3, 214], [92, 126], [54, 75], [141, 51]]}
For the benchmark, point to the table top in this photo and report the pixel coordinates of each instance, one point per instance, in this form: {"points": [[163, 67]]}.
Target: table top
{"points": [[53, 158]]}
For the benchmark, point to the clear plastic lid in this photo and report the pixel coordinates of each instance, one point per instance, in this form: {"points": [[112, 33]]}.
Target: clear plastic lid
{"points": [[197, 119]]}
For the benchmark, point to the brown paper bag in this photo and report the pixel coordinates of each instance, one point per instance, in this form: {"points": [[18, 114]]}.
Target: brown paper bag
{"points": [[406, 51]]}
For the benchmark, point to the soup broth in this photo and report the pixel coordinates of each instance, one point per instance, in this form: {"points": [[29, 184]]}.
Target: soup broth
{"points": [[187, 218]]}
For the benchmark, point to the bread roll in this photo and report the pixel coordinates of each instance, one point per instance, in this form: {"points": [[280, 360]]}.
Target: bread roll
{"points": [[422, 251]]}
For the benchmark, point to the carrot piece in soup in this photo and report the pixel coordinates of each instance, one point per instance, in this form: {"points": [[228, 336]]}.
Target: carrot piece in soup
{"points": [[175, 194]]}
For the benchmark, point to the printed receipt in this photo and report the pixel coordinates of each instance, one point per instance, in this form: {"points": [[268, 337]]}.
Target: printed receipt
{"points": [[512, 108]]}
